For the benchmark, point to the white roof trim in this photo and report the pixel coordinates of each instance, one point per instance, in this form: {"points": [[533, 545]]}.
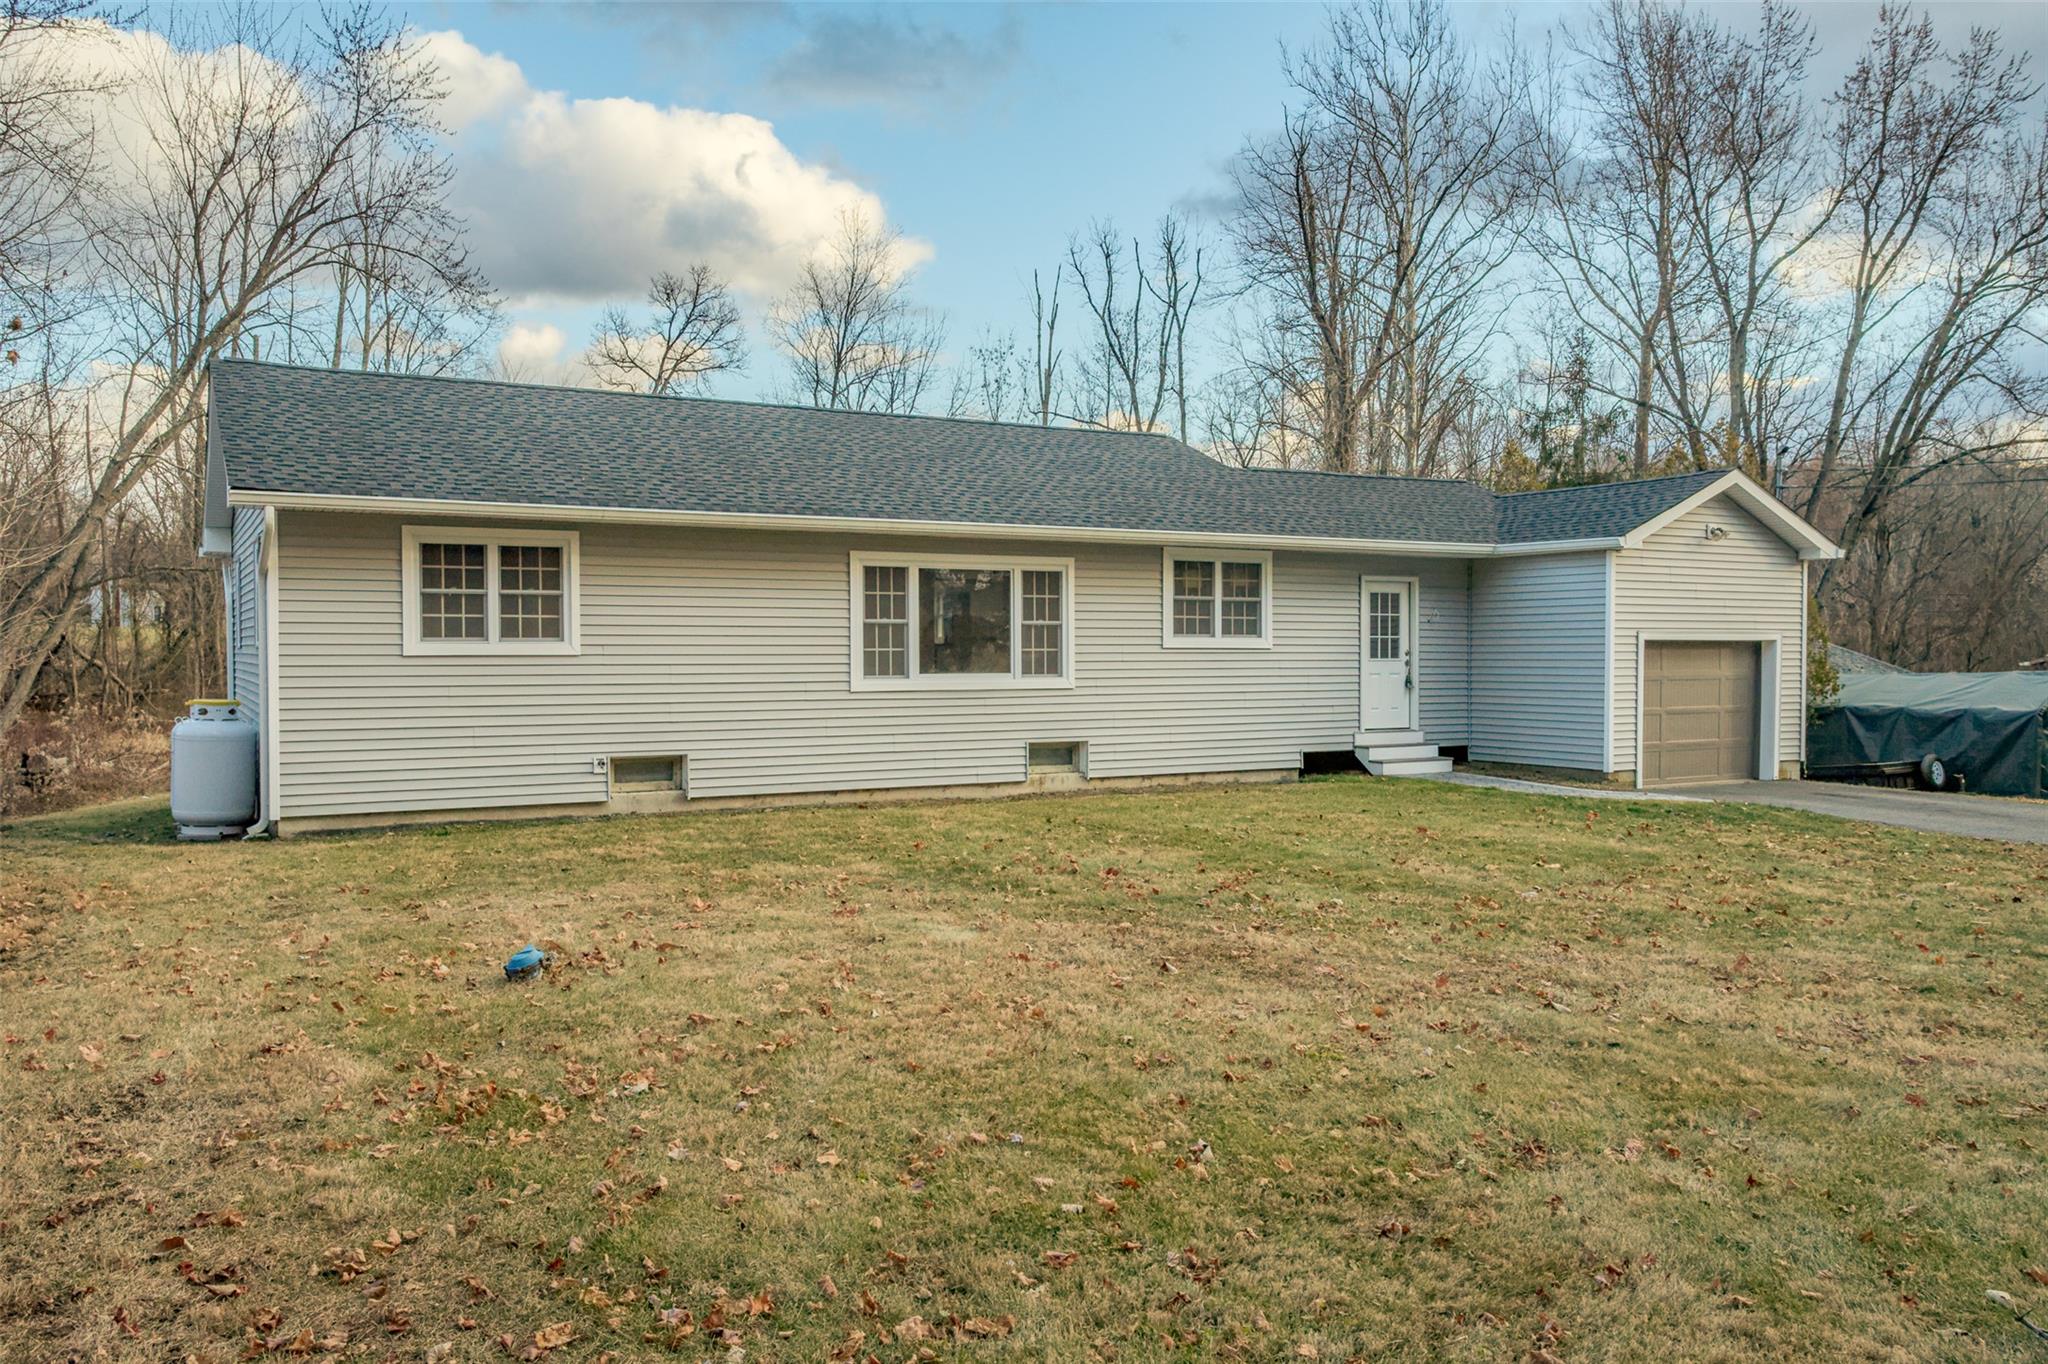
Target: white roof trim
{"points": [[1789, 526], [877, 526]]}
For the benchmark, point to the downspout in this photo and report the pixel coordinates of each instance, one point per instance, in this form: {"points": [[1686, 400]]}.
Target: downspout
{"points": [[267, 756], [1807, 606], [1607, 669], [1471, 721]]}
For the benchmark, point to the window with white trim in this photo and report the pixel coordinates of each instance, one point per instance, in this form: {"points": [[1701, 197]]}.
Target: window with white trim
{"points": [[956, 620], [489, 591], [1217, 600]]}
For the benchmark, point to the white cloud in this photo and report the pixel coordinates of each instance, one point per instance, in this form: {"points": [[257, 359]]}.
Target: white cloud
{"points": [[534, 352], [479, 84], [125, 81], [578, 200]]}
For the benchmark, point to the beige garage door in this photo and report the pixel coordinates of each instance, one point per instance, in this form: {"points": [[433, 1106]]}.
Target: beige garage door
{"points": [[1699, 712]]}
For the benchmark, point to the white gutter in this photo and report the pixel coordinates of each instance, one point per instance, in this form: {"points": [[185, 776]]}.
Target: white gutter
{"points": [[551, 511]]}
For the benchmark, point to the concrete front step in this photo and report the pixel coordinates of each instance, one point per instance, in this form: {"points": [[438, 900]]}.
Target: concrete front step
{"points": [[1385, 738], [1394, 753], [1399, 753], [1407, 767]]}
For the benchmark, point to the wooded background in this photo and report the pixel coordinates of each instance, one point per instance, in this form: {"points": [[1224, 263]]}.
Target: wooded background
{"points": [[1639, 244]]}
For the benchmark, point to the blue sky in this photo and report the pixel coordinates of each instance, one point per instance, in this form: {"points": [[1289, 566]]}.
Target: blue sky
{"points": [[986, 132]]}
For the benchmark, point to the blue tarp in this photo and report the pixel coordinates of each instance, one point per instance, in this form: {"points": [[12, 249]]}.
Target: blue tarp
{"points": [[1988, 727]]}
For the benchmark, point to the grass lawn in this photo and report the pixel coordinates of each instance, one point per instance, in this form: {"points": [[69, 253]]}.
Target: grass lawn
{"points": [[1350, 1068]]}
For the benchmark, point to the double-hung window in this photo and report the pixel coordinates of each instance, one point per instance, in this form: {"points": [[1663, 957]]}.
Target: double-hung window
{"points": [[489, 591], [953, 620], [1217, 600]]}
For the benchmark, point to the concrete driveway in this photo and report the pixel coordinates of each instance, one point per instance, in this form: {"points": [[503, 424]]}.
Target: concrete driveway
{"points": [[1934, 812]]}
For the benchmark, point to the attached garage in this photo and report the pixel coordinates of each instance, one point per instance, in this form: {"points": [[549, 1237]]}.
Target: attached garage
{"points": [[1700, 711], [1709, 643]]}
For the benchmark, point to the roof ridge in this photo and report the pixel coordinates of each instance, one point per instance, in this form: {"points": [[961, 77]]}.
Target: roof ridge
{"points": [[1345, 473], [493, 382], [1622, 482]]}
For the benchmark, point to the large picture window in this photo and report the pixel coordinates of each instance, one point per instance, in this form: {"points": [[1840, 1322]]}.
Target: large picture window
{"points": [[959, 621], [488, 591], [1217, 600]]}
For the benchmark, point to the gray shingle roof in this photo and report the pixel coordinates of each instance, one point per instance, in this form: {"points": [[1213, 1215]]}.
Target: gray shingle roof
{"points": [[352, 434], [1595, 511], [1847, 660]]}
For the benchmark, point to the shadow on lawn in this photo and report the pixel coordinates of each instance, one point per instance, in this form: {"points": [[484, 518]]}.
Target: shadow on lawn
{"points": [[146, 819]]}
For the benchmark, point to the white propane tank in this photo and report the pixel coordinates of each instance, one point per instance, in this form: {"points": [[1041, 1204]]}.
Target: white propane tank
{"points": [[213, 771]]}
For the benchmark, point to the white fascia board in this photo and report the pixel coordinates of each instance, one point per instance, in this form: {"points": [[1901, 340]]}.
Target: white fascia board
{"points": [[1789, 526], [524, 511], [1605, 542], [217, 522]]}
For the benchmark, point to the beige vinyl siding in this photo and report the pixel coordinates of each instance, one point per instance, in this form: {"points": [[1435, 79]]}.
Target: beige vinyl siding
{"points": [[1539, 629], [1681, 585], [732, 648], [245, 612]]}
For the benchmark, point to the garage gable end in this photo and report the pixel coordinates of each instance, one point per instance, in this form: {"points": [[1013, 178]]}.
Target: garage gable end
{"points": [[1738, 489], [1710, 599]]}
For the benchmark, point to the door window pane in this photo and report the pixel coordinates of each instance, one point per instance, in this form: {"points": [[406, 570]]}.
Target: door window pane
{"points": [[885, 622], [1383, 625], [963, 620], [452, 592]]}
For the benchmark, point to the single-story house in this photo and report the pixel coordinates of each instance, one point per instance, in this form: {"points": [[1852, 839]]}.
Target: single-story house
{"points": [[467, 597]]}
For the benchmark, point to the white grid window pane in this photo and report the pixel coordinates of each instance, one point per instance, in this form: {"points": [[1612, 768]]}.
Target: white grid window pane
{"points": [[1044, 606], [530, 592], [1194, 597], [453, 599], [1243, 600], [1383, 625], [885, 622]]}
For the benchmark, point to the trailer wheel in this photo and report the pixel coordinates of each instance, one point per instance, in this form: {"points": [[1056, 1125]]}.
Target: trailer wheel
{"points": [[1933, 773]]}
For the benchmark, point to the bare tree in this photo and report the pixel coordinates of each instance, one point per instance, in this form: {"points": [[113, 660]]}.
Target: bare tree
{"points": [[1747, 172], [1307, 255], [1943, 257], [1953, 574], [1377, 220], [1175, 284], [988, 383], [47, 161], [1614, 236], [1045, 352], [849, 329], [692, 332], [1247, 420], [237, 187], [1442, 138], [1141, 307], [406, 298]]}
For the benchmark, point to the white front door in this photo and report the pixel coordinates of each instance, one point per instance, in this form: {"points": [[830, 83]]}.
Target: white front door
{"points": [[1386, 676]]}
